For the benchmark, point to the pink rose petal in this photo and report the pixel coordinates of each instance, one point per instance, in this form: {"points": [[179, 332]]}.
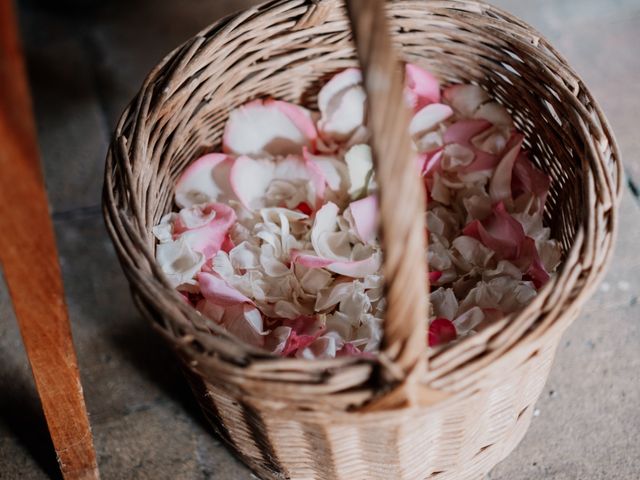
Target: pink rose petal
{"points": [[461, 133], [217, 291], [309, 260], [422, 88], [304, 331], [356, 268], [441, 331], [527, 178], [431, 162], [499, 231], [535, 270], [268, 127], [228, 244], [365, 217], [297, 342], [208, 239], [349, 268]]}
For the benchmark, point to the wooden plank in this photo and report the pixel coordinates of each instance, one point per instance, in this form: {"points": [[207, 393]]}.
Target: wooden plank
{"points": [[30, 261]]}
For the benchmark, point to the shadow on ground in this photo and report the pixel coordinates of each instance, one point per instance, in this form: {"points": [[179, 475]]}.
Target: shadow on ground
{"points": [[22, 417], [149, 354]]}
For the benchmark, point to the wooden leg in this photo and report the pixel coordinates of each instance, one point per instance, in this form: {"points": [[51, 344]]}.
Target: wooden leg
{"points": [[30, 261]]}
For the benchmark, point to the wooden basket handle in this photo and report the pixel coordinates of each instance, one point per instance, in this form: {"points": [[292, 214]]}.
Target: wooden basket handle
{"points": [[400, 191]]}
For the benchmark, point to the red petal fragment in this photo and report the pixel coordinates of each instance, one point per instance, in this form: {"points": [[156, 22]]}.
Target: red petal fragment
{"points": [[296, 342], [535, 270], [304, 208], [434, 276], [228, 244], [441, 331]]}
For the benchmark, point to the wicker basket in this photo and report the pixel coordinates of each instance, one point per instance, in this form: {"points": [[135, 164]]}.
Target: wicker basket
{"points": [[453, 415]]}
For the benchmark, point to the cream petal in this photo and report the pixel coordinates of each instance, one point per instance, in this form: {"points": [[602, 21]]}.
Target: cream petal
{"points": [[245, 256], [342, 104], [465, 99], [178, 261], [245, 322], [164, 231], [360, 165], [470, 319], [444, 303]]}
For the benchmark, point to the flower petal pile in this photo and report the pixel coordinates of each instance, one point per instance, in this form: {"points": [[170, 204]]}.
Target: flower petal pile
{"points": [[276, 238]]}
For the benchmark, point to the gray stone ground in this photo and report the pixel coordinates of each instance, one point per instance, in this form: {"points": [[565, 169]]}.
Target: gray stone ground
{"points": [[85, 65]]}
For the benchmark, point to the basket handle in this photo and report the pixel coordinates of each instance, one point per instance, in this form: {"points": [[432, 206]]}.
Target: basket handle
{"points": [[401, 195]]}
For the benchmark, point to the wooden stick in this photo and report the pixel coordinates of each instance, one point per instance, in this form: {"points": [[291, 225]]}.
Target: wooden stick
{"points": [[30, 261]]}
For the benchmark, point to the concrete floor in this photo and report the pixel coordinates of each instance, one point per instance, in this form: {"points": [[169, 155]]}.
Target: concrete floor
{"points": [[85, 66]]}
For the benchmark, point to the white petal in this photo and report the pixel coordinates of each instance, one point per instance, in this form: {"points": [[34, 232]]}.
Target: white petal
{"points": [[323, 348], [360, 164], [342, 105], [205, 180], [332, 296], [196, 216], [470, 253], [426, 121], [468, 320], [245, 256], [164, 230], [466, 99], [315, 279], [178, 261], [444, 303], [250, 179]]}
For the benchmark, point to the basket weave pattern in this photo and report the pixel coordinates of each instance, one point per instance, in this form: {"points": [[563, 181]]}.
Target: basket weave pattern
{"points": [[295, 419]]}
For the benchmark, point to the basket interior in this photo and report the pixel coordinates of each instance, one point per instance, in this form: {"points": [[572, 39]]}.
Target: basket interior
{"points": [[292, 65]]}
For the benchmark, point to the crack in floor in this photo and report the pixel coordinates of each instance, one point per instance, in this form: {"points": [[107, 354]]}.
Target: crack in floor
{"points": [[634, 188]]}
